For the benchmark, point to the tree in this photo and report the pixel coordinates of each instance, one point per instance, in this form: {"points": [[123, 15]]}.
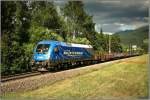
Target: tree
{"points": [[44, 18], [78, 21], [8, 14], [115, 43], [22, 25], [22, 22], [102, 42], [145, 45], [44, 14], [75, 17], [15, 24]]}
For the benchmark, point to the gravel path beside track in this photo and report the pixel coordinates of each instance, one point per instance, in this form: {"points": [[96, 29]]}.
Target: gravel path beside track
{"points": [[34, 82]]}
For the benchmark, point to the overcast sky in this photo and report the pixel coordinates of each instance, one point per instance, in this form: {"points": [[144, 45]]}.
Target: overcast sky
{"points": [[117, 15]]}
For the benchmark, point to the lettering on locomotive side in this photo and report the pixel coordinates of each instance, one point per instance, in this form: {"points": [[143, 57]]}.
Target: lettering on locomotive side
{"points": [[72, 53]]}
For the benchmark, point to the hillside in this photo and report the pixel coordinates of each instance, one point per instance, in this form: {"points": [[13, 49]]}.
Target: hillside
{"points": [[134, 36]]}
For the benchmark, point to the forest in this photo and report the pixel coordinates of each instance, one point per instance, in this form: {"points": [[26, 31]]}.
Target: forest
{"points": [[24, 23]]}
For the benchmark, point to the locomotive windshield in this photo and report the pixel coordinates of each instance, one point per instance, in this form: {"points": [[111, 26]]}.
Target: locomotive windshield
{"points": [[43, 48]]}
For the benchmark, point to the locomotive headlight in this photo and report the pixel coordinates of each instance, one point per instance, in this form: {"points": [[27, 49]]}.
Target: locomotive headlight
{"points": [[32, 61]]}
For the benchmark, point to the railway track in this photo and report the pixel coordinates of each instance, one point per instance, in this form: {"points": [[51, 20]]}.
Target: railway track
{"points": [[19, 76], [29, 74]]}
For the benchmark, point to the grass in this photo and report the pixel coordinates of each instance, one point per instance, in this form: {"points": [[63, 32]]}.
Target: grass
{"points": [[126, 79]]}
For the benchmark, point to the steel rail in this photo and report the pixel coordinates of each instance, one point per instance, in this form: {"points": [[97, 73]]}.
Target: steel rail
{"points": [[19, 76]]}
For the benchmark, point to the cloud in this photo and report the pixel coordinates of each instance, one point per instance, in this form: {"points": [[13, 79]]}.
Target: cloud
{"points": [[127, 13], [126, 27], [120, 24], [113, 15], [107, 28]]}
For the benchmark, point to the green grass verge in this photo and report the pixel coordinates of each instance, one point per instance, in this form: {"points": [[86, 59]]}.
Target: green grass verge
{"points": [[126, 79]]}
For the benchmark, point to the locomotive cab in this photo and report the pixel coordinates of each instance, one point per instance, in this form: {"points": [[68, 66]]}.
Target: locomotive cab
{"points": [[42, 52], [41, 56]]}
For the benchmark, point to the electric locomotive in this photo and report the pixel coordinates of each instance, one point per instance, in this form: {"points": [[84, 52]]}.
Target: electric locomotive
{"points": [[52, 54]]}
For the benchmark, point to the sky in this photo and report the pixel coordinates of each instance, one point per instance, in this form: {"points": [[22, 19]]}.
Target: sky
{"points": [[116, 15]]}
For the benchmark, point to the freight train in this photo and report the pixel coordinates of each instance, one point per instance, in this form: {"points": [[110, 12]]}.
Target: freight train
{"points": [[55, 54]]}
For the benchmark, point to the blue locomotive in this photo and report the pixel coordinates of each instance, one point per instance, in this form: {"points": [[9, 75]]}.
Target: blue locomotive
{"points": [[51, 54], [55, 54]]}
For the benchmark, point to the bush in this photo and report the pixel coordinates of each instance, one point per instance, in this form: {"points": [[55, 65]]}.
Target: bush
{"points": [[22, 57]]}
